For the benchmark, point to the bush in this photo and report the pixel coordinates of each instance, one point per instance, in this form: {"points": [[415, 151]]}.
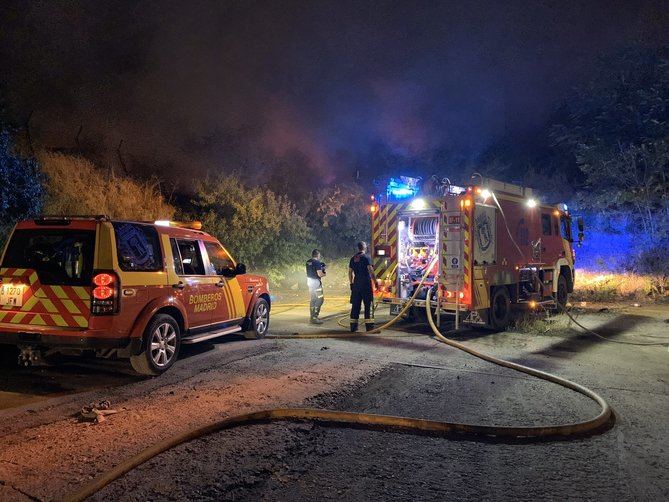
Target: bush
{"points": [[258, 227], [339, 217], [21, 186], [76, 186]]}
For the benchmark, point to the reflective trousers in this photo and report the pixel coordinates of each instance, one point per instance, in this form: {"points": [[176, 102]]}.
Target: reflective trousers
{"points": [[366, 297], [316, 297]]}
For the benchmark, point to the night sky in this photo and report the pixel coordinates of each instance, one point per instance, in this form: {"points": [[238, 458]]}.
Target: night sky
{"points": [[336, 86]]}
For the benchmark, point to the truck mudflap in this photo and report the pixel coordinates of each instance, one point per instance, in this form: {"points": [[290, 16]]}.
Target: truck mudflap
{"points": [[477, 318]]}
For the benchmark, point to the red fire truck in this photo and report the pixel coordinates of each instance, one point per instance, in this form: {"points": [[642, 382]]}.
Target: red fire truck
{"points": [[486, 249]]}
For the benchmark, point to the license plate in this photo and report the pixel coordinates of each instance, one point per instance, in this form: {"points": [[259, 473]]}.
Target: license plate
{"points": [[395, 308], [11, 295]]}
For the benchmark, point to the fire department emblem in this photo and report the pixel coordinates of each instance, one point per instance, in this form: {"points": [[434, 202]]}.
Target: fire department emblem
{"points": [[483, 231]]}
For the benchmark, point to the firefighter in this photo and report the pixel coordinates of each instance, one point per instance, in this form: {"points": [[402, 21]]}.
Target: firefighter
{"points": [[360, 276], [315, 271]]}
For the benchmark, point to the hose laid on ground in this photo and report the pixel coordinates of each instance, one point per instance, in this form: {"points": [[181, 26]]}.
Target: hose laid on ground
{"points": [[371, 420]]}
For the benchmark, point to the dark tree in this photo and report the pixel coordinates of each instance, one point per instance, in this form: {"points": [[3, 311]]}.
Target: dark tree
{"points": [[21, 185]]}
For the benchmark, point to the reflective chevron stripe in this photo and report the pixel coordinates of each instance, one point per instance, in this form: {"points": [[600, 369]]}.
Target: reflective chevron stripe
{"points": [[46, 305]]}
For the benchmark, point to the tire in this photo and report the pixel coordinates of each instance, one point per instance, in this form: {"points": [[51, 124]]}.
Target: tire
{"points": [[500, 308], [259, 322], [162, 342], [562, 295]]}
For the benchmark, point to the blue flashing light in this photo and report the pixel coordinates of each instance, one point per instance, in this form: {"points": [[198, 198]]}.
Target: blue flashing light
{"points": [[402, 188]]}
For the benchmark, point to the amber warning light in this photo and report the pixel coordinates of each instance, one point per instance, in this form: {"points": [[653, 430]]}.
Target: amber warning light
{"points": [[193, 225]]}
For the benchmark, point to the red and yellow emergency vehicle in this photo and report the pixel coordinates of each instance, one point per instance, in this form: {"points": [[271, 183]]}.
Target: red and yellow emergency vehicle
{"points": [[123, 289], [490, 247]]}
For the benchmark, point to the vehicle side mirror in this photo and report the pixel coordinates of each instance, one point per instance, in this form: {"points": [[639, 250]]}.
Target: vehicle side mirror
{"points": [[581, 227], [240, 269], [228, 272]]}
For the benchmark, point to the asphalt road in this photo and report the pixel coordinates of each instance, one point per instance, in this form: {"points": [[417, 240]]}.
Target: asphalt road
{"points": [[46, 452]]}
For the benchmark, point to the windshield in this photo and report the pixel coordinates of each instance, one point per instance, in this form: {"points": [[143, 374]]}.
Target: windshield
{"points": [[59, 256]]}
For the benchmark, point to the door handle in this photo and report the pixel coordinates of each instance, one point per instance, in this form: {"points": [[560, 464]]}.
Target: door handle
{"points": [[220, 283], [179, 285]]}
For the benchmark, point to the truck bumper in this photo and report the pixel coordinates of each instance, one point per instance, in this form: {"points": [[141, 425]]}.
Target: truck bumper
{"points": [[82, 341]]}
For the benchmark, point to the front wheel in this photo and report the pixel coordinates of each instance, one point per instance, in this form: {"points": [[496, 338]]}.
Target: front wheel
{"points": [[259, 320], [562, 295], [162, 341]]}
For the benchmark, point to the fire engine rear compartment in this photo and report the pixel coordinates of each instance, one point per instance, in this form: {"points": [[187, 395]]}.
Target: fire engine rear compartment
{"points": [[418, 244]]}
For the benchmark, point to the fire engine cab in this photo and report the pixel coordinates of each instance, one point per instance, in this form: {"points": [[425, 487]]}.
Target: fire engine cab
{"points": [[484, 249], [129, 289]]}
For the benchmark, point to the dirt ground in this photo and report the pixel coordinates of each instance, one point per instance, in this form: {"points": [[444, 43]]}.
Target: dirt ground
{"points": [[46, 452]]}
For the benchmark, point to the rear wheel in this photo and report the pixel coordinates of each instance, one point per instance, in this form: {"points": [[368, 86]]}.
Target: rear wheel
{"points": [[162, 341], [259, 320], [500, 308], [562, 295]]}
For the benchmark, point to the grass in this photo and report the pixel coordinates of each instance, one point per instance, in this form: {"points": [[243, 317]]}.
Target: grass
{"points": [[76, 186], [611, 287]]}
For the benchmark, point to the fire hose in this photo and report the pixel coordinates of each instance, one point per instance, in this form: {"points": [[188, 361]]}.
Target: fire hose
{"points": [[371, 420]]}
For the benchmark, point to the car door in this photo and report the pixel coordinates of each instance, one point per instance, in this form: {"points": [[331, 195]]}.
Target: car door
{"points": [[198, 291], [231, 309]]}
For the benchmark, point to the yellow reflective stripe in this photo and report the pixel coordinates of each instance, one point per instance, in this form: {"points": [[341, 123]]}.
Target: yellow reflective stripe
{"points": [[48, 304], [19, 271], [237, 298], [18, 317], [3, 314], [70, 306], [58, 320], [60, 292], [81, 292], [81, 321], [37, 320], [32, 301], [33, 278]]}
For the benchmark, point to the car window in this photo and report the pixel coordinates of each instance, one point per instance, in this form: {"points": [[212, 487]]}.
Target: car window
{"points": [[137, 247], [219, 259], [566, 229], [176, 257], [60, 257], [546, 224], [191, 258]]}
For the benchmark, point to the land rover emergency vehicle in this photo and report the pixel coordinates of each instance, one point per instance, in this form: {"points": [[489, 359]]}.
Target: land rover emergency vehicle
{"points": [[129, 289], [485, 249]]}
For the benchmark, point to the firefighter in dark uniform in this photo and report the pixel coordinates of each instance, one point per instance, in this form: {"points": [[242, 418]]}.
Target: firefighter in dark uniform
{"points": [[315, 271], [360, 275]]}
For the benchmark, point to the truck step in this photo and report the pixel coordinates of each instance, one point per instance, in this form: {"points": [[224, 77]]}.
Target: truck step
{"points": [[210, 334]]}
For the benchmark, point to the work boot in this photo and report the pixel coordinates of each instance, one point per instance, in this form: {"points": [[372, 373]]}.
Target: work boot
{"points": [[369, 327], [315, 320], [354, 327]]}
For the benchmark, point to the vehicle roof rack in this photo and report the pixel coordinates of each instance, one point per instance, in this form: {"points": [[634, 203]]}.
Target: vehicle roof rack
{"points": [[73, 217]]}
